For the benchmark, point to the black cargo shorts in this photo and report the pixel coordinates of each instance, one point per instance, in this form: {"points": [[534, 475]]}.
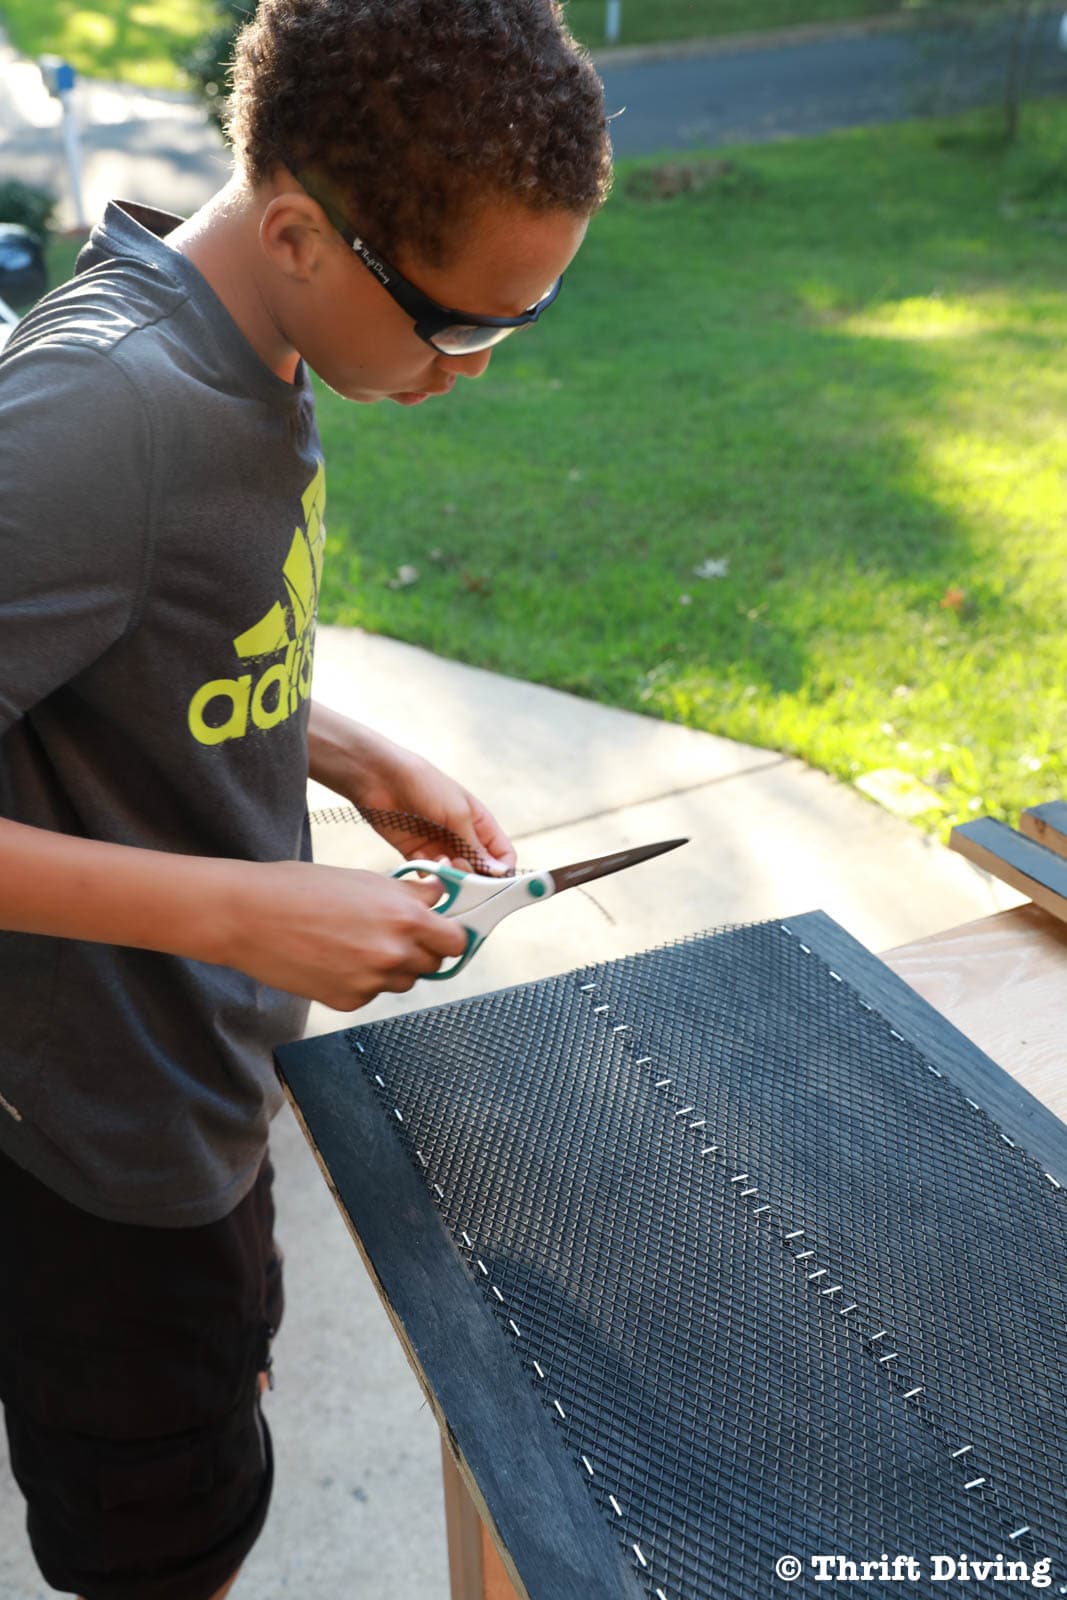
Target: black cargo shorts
{"points": [[129, 1374]]}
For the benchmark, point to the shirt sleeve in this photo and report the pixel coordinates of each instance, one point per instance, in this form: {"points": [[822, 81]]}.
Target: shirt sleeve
{"points": [[75, 479]]}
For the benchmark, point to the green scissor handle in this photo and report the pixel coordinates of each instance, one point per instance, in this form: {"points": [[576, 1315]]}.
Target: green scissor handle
{"points": [[453, 880]]}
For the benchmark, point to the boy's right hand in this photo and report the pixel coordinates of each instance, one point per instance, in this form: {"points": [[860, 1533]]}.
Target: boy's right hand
{"points": [[333, 934]]}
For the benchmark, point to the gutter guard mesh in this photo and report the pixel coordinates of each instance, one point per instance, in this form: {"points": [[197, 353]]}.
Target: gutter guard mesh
{"points": [[781, 1286]]}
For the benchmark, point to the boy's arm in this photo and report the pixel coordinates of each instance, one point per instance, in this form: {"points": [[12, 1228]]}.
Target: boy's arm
{"points": [[325, 933], [376, 774]]}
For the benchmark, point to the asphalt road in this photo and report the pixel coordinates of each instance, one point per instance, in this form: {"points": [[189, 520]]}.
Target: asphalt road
{"points": [[158, 148], [789, 90]]}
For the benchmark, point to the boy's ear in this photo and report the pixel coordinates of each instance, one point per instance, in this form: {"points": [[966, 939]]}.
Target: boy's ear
{"points": [[293, 234]]}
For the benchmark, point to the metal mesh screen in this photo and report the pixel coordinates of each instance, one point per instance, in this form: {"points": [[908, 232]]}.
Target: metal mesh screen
{"points": [[784, 1290]]}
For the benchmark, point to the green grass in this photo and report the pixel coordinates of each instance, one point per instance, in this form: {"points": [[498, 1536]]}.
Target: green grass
{"points": [[135, 40], [652, 21], [842, 373]]}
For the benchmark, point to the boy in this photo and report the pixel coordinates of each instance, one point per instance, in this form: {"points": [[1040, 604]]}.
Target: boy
{"points": [[161, 521]]}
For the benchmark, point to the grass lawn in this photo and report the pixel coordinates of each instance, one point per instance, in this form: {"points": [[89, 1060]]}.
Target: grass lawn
{"points": [[131, 39], [841, 373], [651, 21]]}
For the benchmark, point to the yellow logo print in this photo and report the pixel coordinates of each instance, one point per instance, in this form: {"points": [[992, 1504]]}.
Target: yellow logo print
{"points": [[228, 708]]}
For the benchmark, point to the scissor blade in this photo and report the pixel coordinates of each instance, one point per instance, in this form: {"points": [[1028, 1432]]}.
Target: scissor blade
{"points": [[586, 871]]}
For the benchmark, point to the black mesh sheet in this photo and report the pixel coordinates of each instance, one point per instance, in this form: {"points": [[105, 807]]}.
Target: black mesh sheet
{"points": [[784, 1290]]}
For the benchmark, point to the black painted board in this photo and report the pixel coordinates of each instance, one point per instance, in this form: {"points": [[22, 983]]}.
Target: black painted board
{"points": [[1015, 1110], [1027, 866], [1047, 825], [553, 1539]]}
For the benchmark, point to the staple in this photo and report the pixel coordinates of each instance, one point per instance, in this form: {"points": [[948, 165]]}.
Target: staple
{"points": [[836, 1289], [615, 1506], [974, 1483], [539, 1369], [660, 1595], [1020, 1531], [396, 1114], [740, 1178], [973, 1104], [846, 1309], [645, 1061], [699, 1124], [804, 1255], [513, 1325], [962, 1451], [913, 1392], [934, 1070], [638, 1554], [499, 1296], [836, 977], [560, 1409], [709, 1150], [598, 1011], [1007, 1141], [438, 1191], [760, 1209], [467, 1240], [622, 1027], [482, 1268], [892, 1356], [587, 988], [685, 1111], [866, 1006], [893, 1034], [786, 929], [421, 1157], [819, 1273], [1053, 1182], [746, 1192], [879, 1335], [663, 1083], [587, 1464], [805, 949], [795, 1233], [379, 1080], [359, 1047]]}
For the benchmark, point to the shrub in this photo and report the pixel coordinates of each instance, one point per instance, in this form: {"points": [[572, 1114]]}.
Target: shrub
{"points": [[32, 207]]}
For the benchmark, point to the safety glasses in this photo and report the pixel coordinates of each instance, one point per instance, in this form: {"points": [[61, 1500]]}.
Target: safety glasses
{"points": [[452, 333]]}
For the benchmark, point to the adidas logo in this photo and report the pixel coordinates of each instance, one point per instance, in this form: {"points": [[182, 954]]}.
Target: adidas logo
{"points": [[230, 708]]}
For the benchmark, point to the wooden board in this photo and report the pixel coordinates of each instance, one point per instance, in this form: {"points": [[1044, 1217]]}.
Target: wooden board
{"points": [[1029, 867], [1047, 825], [524, 1487], [1003, 982]]}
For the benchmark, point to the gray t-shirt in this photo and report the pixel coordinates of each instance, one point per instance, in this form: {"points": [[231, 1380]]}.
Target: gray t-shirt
{"points": [[161, 540]]}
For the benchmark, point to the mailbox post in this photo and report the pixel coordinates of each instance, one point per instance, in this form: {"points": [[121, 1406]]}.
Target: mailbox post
{"points": [[59, 79]]}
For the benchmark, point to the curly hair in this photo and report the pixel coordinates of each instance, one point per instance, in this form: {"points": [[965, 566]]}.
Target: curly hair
{"points": [[409, 113]]}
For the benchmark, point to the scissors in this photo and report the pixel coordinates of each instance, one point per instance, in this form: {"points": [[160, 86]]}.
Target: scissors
{"points": [[480, 903]]}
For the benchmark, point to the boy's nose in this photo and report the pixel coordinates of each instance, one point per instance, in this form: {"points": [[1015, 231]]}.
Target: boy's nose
{"points": [[471, 366]]}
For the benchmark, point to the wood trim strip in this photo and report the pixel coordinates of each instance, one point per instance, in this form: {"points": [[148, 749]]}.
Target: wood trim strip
{"points": [[1047, 825], [1018, 1113], [1028, 867]]}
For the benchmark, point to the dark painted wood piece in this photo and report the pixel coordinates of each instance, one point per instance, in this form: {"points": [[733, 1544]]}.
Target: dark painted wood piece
{"points": [[1028, 867], [551, 1535], [1047, 825], [1022, 1117]]}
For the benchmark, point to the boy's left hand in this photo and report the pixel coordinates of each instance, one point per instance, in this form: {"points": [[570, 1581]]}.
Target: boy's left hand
{"points": [[380, 776]]}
